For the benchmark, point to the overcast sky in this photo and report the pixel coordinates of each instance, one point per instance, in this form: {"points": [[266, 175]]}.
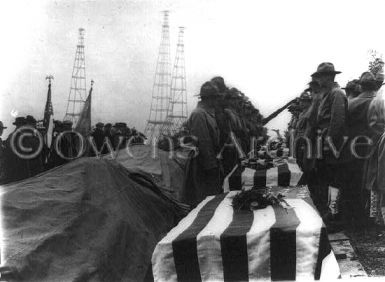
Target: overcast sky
{"points": [[267, 49]]}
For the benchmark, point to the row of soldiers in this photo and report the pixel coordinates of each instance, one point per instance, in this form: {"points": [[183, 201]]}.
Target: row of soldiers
{"points": [[17, 153], [337, 137], [223, 123], [118, 136]]}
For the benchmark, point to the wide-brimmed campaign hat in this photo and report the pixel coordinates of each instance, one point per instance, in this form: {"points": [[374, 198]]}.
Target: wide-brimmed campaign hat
{"points": [[367, 77], [30, 120], [67, 124], [325, 68], [209, 89], [352, 84], [20, 121], [220, 83]]}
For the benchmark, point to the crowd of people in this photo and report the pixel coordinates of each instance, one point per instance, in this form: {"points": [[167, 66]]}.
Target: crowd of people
{"points": [[21, 155], [336, 135], [338, 138]]}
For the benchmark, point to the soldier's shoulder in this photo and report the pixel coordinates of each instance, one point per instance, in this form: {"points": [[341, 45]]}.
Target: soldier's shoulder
{"points": [[198, 111], [338, 91]]}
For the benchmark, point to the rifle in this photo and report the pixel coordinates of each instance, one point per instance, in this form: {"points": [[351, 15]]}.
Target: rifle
{"points": [[277, 112]]}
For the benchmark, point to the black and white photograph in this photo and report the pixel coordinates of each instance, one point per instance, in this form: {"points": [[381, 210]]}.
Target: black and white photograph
{"points": [[192, 140]]}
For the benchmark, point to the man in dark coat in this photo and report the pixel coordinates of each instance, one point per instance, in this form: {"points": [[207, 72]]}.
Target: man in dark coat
{"points": [[98, 136], [19, 167], [358, 125], [203, 175], [331, 124]]}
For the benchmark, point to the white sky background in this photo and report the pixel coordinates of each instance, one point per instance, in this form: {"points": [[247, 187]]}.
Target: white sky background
{"points": [[267, 49]]}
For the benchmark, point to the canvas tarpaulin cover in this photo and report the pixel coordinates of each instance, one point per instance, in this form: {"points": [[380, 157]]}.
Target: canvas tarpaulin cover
{"points": [[88, 220], [167, 169]]}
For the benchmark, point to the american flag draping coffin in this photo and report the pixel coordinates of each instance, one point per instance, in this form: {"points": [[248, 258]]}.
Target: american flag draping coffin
{"points": [[216, 243], [284, 173]]}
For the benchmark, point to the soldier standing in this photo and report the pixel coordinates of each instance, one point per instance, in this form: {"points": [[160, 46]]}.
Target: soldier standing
{"points": [[203, 175], [331, 123]]}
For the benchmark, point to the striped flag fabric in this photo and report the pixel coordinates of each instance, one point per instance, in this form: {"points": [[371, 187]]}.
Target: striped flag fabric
{"points": [[285, 174], [48, 115], [83, 126], [216, 243]]}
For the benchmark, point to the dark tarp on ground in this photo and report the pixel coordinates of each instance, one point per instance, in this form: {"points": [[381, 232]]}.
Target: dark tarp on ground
{"points": [[85, 221], [167, 169]]}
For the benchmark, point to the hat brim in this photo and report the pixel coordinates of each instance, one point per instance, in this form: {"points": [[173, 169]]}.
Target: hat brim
{"points": [[325, 72], [3, 127], [212, 95]]}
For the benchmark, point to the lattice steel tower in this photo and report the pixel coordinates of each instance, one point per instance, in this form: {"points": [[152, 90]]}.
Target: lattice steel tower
{"points": [[177, 110], [161, 87], [78, 93]]}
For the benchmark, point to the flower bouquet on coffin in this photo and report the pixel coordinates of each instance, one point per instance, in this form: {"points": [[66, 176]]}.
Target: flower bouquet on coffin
{"points": [[254, 199]]}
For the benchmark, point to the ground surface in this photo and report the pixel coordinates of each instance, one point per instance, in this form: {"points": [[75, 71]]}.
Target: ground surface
{"points": [[369, 246]]}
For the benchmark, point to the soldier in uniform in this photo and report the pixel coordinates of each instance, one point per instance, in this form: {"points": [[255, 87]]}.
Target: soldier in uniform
{"points": [[203, 173], [358, 125], [35, 165], [331, 123]]}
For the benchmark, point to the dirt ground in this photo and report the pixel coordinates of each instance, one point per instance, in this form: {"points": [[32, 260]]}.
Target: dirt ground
{"points": [[369, 245]]}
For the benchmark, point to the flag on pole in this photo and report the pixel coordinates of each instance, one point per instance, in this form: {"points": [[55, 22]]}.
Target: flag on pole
{"points": [[48, 115], [83, 125]]}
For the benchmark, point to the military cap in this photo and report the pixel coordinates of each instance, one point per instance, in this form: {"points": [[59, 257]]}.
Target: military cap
{"points": [[120, 124], [305, 96], [99, 124]]}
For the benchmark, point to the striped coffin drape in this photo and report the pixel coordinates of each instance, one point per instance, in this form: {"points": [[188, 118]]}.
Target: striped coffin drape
{"points": [[216, 243]]}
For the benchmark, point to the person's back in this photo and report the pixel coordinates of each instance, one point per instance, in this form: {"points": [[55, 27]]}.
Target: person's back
{"points": [[358, 108], [332, 112]]}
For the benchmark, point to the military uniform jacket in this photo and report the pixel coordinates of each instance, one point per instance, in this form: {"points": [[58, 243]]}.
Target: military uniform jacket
{"points": [[203, 126], [332, 118], [332, 112]]}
